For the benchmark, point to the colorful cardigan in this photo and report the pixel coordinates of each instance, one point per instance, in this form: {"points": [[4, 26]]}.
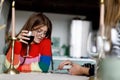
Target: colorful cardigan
{"points": [[40, 60]]}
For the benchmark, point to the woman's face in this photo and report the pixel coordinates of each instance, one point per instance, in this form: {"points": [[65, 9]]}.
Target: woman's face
{"points": [[39, 33]]}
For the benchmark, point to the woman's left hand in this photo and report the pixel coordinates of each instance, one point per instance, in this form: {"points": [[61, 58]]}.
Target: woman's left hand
{"points": [[76, 69], [23, 36]]}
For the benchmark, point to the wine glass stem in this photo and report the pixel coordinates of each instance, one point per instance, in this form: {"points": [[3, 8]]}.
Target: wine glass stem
{"points": [[27, 50]]}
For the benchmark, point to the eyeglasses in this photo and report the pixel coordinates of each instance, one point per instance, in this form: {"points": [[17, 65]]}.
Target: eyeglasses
{"points": [[41, 32]]}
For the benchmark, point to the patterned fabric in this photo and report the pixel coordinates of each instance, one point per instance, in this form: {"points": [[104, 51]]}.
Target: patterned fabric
{"points": [[116, 41], [39, 60]]}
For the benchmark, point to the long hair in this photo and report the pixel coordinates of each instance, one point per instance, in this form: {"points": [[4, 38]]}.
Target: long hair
{"points": [[112, 15], [33, 21], [38, 19]]}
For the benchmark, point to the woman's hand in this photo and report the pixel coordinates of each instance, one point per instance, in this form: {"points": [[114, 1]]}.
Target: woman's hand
{"points": [[23, 36], [62, 64], [76, 69]]}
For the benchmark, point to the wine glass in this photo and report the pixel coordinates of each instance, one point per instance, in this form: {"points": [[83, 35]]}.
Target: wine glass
{"points": [[92, 45], [92, 48], [29, 42]]}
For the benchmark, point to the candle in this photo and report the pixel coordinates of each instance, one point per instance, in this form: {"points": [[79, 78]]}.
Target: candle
{"points": [[13, 19], [102, 27]]}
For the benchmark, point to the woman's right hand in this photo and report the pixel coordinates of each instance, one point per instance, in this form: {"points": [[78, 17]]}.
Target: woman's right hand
{"points": [[76, 69], [62, 64], [23, 36]]}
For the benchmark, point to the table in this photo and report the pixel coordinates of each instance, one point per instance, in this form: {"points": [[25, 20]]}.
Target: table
{"points": [[41, 76]]}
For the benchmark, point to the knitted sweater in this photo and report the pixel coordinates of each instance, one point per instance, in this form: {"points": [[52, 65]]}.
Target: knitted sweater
{"points": [[39, 60]]}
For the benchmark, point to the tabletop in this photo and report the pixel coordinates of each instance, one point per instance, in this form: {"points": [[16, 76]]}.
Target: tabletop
{"points": [[41, 76]]}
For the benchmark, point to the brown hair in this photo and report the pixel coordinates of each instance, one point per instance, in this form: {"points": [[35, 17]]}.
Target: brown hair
{"points": [[33, 21], [38, 19], [112, 15]]}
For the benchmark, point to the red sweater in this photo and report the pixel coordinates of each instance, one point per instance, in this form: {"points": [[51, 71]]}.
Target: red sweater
{"points": [[41, 56]]}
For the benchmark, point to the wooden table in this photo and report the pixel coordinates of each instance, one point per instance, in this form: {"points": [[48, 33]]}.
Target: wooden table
{"points": [[41, 76]]}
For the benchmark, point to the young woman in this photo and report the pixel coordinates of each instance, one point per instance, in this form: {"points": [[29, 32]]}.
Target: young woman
{"points": [[112, 25], [112, 32], [39, 49]]}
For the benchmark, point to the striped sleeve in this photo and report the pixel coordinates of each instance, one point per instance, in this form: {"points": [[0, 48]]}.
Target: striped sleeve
{"points": [[116, 42]]}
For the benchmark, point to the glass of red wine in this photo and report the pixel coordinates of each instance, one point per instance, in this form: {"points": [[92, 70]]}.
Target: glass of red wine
{"points": [[29, 42]]}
